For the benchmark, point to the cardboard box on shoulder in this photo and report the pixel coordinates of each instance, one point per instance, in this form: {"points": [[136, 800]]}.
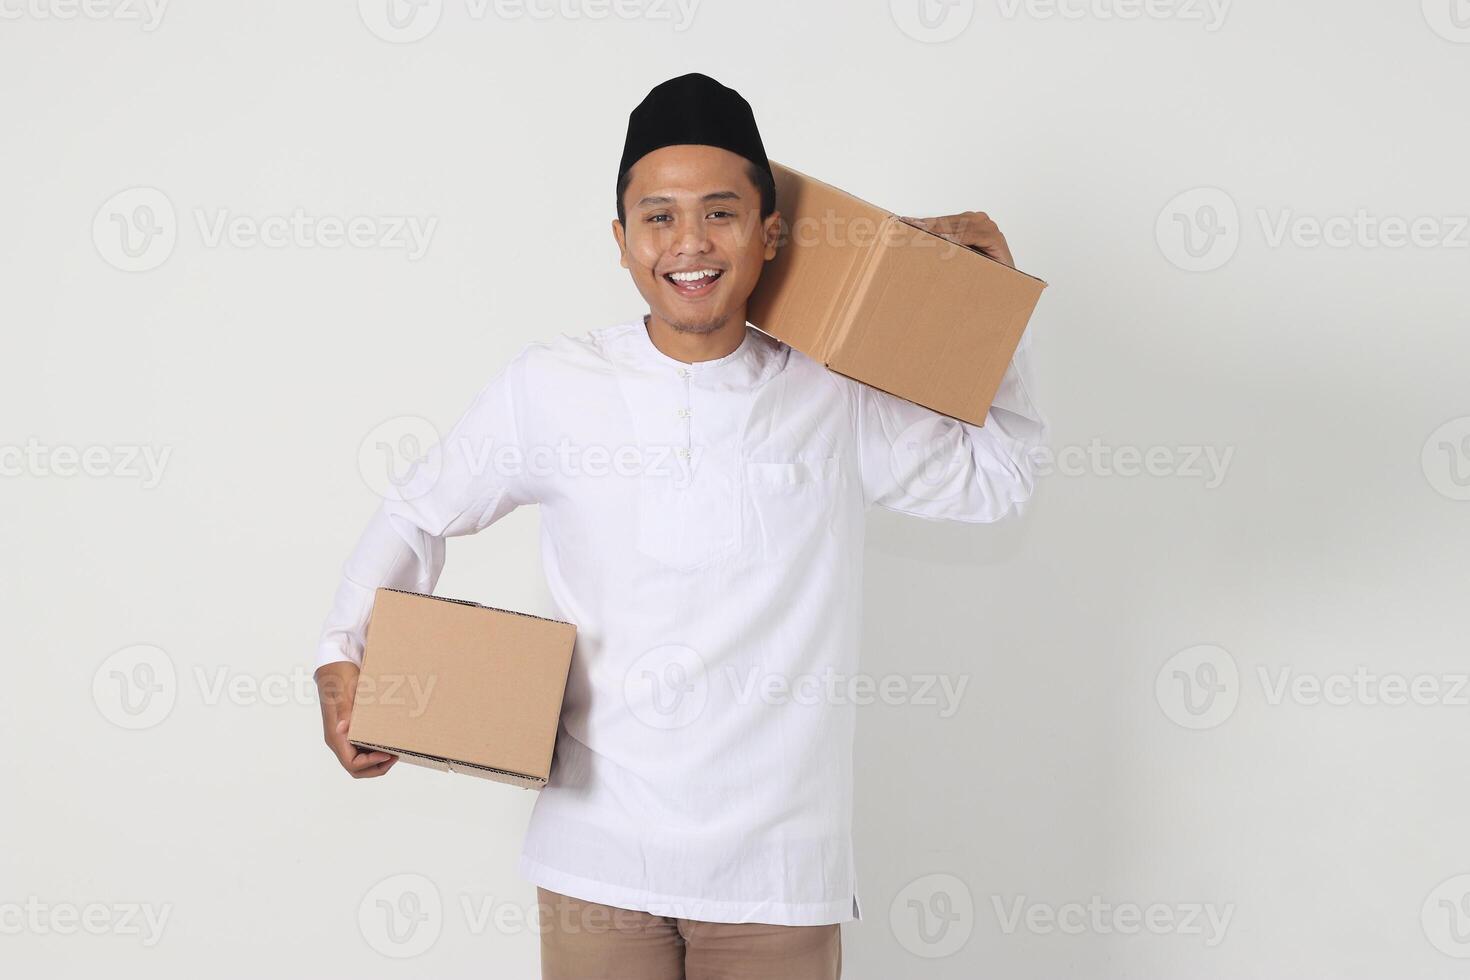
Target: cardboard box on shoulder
{"points": [[888, 303]]}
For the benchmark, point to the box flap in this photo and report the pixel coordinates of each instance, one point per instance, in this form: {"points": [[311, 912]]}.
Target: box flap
{"points": [[827, 236]]}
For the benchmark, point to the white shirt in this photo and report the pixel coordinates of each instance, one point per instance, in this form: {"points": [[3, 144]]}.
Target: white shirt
{"points": [[702, 525]]}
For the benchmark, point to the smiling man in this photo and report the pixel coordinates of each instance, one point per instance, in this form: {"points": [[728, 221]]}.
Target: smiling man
{"points": [[703, 526]]}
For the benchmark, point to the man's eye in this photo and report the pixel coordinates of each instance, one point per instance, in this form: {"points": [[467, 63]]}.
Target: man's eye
{"points": [[654, 218]]}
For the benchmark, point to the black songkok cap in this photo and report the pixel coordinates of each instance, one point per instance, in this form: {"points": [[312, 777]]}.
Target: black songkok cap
{"points": [[693, 108]]}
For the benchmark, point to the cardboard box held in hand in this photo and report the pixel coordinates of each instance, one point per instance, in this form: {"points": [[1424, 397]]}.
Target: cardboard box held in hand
{"points": [[461, 687], [889, 304]]}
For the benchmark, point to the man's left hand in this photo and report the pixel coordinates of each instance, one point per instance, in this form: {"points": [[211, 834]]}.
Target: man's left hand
{"points": [[972, 229]]}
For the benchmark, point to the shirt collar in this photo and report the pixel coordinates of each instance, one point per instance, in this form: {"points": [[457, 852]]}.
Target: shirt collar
{"points": [[757, 358]]}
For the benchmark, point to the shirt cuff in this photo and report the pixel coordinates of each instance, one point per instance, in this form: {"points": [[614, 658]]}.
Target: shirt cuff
{"points": [[332, 653]]}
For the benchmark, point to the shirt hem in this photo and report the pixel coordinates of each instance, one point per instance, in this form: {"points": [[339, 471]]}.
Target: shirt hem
{"points": [[681, 907]]}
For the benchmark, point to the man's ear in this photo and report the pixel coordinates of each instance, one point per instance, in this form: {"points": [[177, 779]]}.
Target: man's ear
{"points": [[617, 230], [771, 229]]}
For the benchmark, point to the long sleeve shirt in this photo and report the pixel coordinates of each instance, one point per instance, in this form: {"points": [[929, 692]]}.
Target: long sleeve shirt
{"points": [[702, 524]]}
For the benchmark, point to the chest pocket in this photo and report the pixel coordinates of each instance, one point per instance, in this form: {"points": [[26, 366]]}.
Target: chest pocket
{"points": [[789, 474], [787, 501], [689, 518]]}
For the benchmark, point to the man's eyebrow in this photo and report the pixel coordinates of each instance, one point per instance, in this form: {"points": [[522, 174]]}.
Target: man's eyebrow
{"points": [[656, 199]]}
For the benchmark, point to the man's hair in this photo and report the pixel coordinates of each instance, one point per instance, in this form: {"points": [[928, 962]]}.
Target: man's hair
{"points": [[759, 176]]}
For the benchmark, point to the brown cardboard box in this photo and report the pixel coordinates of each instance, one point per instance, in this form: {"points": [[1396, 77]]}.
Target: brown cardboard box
{"points": [[461, 687], [890, 304]]}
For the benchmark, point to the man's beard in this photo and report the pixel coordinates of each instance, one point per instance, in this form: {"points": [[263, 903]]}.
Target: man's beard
{"points": [[696, 327]]}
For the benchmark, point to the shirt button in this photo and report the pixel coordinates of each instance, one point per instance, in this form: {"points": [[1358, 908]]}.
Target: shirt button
{"points": [[683, 372], [683, 453], [684, 413]]}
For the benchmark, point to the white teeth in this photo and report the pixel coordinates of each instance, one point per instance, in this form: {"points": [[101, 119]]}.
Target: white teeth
{"points": [[694, 276]]}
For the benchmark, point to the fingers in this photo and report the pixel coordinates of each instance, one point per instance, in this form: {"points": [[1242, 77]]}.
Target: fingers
{"points": [[363, 764], [358, 762], [337, 686], [368, 760], [375, 764], [376, 770], [355, 760], [973, 228]]}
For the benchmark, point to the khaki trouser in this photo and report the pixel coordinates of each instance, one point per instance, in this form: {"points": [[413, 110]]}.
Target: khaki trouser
{"points": [[583, 940]]}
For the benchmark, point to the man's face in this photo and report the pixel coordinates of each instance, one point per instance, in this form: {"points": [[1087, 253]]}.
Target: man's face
{"points": [[692, 207]]}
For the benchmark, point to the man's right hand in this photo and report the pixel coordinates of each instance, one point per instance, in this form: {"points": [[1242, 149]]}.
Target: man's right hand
{"points": [[336, 686]]}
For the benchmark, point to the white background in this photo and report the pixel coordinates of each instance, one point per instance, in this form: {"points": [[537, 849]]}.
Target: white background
{"points": [[1078, 768]]}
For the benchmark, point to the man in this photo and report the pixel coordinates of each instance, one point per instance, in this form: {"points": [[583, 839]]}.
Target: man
{"points": [[693, 825]]}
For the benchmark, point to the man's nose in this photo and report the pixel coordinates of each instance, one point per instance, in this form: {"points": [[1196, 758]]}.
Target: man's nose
{"points": [[692, 237]]}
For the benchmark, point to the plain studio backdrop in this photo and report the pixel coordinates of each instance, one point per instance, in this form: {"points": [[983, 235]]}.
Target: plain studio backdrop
{"points": [[1207, 714]]}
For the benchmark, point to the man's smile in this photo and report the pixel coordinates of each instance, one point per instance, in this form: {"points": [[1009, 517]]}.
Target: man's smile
{"points": [[694, 283]]}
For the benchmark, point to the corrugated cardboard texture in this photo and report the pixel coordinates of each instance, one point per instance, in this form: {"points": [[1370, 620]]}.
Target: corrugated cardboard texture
{"points": [[889, 304], [494, 681], [445, 765]]}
